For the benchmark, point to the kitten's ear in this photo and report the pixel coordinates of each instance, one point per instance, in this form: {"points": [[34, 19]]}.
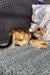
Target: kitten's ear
{"points": [[37, 25], [44, 28]]}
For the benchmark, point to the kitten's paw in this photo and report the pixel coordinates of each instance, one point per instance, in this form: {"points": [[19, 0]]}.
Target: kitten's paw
{"points": [[43, 47], [43, 42]]}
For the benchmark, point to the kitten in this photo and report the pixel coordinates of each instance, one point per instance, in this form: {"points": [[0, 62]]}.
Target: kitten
{"points": [[21, 37], [41, 15]]}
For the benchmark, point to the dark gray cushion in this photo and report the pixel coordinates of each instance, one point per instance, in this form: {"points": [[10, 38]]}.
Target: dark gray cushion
{"points": [[14, 14]]}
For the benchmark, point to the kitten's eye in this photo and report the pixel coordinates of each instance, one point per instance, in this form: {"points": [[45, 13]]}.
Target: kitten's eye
{"points": [[38, 29]]}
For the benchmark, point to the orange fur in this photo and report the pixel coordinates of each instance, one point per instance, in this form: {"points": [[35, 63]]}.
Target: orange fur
{"points": [[21, 37]]}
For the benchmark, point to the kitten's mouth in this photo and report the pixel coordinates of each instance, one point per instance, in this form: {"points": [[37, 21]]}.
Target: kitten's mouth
{"points": [[37, 35]]}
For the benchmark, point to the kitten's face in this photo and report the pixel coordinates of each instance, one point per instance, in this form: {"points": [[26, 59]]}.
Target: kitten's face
{"points": [[39, 32]]}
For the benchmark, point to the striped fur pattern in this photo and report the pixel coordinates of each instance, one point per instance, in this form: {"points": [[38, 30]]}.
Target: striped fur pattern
{"points": [[23, 37]]}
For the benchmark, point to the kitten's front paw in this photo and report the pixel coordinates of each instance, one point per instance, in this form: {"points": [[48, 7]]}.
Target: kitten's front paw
{"points": [[43, 47], [43, 42]]}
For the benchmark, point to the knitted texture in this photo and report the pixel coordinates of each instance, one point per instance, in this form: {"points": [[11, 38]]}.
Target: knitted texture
{"points": [[25, 60]]}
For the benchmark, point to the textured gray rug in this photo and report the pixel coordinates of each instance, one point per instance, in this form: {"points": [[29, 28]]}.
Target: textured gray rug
{"points": [[25, 60]]}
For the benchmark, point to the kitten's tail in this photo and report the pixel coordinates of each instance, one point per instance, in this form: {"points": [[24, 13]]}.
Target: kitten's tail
{"points": [[10, 45]]}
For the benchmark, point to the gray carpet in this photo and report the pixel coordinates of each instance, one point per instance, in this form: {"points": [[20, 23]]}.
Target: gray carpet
{"points": [[25, 60]]}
